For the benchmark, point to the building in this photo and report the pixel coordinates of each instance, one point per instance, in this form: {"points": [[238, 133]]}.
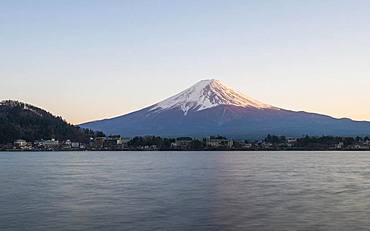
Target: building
{"points": [[21, 144], [291, 141], [360, 147], [75, 145], [340, 145], [182, 143], [48, 144], [113, 142], [247, 145], [219, 142], [99, 142], [125, 143], [266, 145]]}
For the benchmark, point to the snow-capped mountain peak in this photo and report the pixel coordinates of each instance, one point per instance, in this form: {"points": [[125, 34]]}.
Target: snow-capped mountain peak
{"points": [[207, 94]]}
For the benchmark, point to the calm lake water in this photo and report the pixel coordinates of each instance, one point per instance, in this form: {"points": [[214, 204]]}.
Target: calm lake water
{"points": [[185, 191]]}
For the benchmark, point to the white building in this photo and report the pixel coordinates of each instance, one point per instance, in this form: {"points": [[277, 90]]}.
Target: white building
{"points": [[75, 145], [20, 143], [219, 142], [48, 143]]}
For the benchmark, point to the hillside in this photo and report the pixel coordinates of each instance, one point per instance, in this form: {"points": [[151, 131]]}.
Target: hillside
{"points": [[23, 121]]}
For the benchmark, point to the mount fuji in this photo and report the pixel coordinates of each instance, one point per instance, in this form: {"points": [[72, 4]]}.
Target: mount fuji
{"points": [[211, 108]]}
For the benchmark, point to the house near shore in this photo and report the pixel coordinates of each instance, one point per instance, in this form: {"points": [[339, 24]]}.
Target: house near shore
{"points": [[47, 144], [219, 142], [182, 143], [291, 141], [21, 144], [114, 142]]}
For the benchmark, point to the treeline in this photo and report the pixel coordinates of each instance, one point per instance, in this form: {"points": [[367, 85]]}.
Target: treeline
{"points": [[164, 143], [271, 142], [317, 142], [22, 121], [324, 142]]}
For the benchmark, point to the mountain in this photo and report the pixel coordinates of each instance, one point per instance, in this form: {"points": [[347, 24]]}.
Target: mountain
{"points": [[23, 121], [210, 107]]}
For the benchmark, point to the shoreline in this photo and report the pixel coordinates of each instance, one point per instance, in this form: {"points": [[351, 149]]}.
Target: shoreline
{"points": [[290, 150]]}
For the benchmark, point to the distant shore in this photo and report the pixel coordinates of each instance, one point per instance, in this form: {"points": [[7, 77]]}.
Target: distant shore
{"points": [[234, 150], [212, 143]]}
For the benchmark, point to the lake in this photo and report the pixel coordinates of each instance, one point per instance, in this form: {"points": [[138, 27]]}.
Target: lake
{"points": [[184, 191]]}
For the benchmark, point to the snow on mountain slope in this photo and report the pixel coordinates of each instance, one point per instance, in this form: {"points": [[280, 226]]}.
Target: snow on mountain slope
{"points": [[207, 94]]}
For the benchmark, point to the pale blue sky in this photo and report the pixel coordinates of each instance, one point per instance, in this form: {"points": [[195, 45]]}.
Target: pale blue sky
{"points": [[88, 60]]}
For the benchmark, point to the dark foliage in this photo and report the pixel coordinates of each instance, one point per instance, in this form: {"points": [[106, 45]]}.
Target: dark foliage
{"points": [[275, 139], [218, 137], [161, 143], [22, 121], [197, 145], [184, 138], [324, 142]]}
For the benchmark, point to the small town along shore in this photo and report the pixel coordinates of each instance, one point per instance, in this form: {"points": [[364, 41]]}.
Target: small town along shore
{"points": [[212, 143]]}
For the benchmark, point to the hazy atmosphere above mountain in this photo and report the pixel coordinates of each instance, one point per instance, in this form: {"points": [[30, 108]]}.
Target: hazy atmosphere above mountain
{"points": [[89, 60]]}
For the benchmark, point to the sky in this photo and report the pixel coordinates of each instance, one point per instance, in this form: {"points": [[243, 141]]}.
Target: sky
{"points": [[88, 60]]}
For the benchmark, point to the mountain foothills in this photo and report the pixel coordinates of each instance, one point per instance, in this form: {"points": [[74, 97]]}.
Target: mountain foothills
{"points": [[210, 107], [23, 121]]}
